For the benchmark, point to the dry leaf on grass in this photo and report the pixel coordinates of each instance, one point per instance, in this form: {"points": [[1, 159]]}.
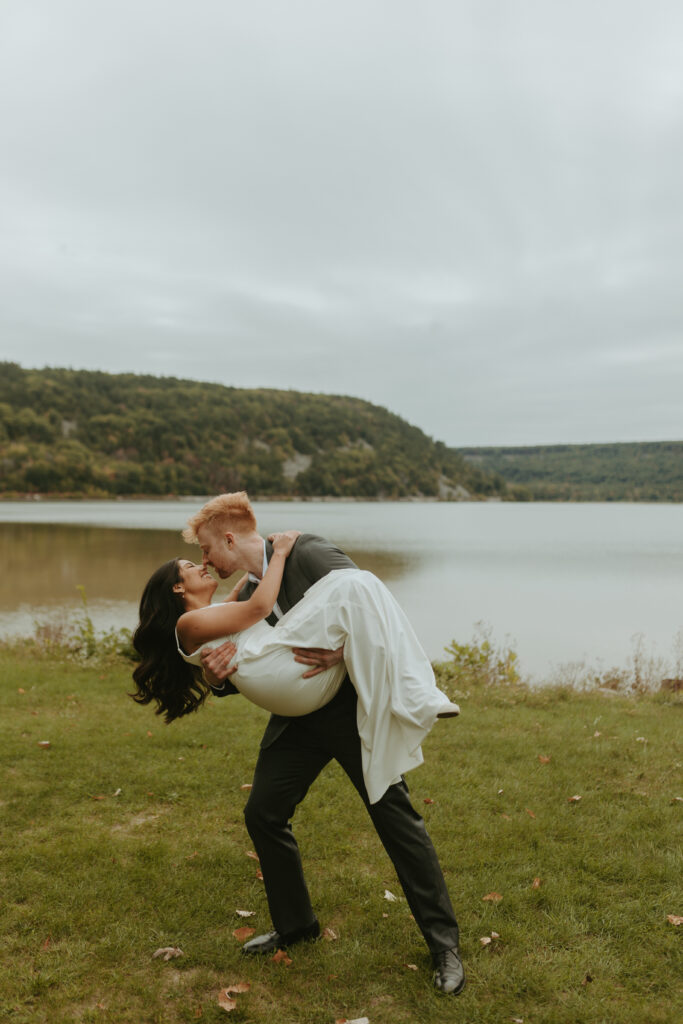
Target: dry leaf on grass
{"points": [[529, 812], [330, 934], [246, 785], [281, 958], [241, 934], [543, 759], [536, 884], [506, 816], [573, 799], [168, 953], [245, 913], [596, 734], [674, 919], [241, 986], [411, 967], [492, 897], [485, 940], [428, 800], [389, 896], [252, 855], [356, 1020], [259, 875], [495, 935], [44, 744], [226, 1003]]}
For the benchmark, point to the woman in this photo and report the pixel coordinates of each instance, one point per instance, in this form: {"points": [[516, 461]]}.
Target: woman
{"points": [[398, 701]]}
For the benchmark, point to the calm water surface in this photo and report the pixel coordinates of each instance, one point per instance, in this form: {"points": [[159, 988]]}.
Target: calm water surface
{"points": [[564, 583]]}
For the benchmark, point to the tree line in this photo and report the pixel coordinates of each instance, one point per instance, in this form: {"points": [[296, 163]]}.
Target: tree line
{"points": [[632, 471], [78, 432]]}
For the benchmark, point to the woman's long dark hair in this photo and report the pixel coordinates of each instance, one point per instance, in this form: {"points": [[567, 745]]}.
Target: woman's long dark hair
{"points": [[162, 675]]}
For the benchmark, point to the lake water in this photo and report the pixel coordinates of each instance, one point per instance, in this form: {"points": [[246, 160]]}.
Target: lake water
{"points": [[562, 583]]}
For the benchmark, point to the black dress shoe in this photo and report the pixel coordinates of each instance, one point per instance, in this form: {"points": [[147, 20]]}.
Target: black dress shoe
{"points": [[449, 975], [272, 941]]}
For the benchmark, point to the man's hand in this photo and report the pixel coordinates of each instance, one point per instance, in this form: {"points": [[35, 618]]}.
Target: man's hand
{"points": [[318, 657], [216, 663]]}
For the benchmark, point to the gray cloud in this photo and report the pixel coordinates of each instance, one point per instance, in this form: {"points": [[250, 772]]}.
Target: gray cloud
{"points": [[468, 212]]}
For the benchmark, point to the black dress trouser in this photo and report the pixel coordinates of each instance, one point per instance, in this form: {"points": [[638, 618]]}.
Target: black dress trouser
{"points": [[284, 771]]}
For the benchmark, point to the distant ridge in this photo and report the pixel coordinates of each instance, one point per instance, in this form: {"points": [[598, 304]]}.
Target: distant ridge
{"points": [[630, 471], [87, 433]]}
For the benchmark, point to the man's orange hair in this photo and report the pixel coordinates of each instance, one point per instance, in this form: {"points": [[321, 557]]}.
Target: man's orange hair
{"points": [[230, 511]]}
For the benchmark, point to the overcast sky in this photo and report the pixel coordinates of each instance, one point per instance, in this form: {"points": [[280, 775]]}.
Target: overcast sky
{"points": [[468, 212]]}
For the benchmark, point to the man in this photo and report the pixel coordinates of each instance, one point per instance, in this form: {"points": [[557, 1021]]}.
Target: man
{"points": [[295, 750]]}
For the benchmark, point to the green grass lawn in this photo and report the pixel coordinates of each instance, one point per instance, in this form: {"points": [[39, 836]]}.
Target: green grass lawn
{"points": [[126, 835]]}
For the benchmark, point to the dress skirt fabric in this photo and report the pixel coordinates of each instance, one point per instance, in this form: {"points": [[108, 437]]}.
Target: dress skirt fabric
{"points": [[398, 700]]}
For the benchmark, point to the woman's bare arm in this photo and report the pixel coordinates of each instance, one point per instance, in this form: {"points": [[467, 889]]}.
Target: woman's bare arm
{"points": [[203, 624]]}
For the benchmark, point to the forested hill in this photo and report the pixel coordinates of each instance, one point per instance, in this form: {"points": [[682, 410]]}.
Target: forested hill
{"points": [[646, 471], [76, 432]]}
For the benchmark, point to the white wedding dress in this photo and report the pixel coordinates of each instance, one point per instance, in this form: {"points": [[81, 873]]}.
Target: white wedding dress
{"points": [[398, 700]]}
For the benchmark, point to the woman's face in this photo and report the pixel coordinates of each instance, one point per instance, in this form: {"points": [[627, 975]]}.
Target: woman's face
{"points": [[195, 580]]}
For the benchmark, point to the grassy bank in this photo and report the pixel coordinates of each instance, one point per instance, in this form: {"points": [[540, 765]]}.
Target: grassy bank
{"points": [[125, 836]]}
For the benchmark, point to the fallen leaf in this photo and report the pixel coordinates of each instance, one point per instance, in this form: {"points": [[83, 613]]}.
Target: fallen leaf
{"points": [[596, 734], [385, 915], [99, 798], [356, 1020], [492, 897], [241, 986], [281, 958], [517, 1020], [573, 799], [674, 919], [242, 934], [530, 813], [485, 940], [677, 800], [330, 934], [495, 935], [245, 913], [44, 744], [389, 896], [259, 875], [252, 855], [543, 759], [226, 1003], [246, 785], [168, 953], [21, 690], [411, 967], [500, 791], [506, 816], [428, 800], [640, 739], [148, 733], [118, 792], [47, 943], [536, 884]]}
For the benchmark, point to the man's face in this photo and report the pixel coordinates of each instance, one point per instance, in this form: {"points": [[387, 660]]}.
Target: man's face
{"points": [[218, 550]]}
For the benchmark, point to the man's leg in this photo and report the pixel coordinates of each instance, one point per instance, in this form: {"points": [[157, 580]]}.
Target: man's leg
{"points": [[333, 731], [284, 772]]}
